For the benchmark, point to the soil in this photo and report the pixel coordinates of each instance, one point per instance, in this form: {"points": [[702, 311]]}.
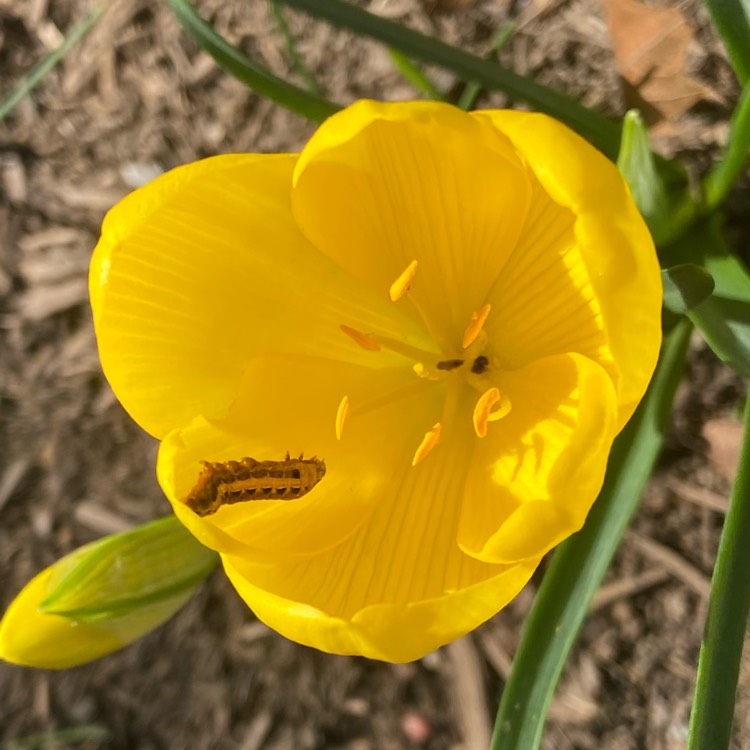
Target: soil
{"points": [[135, 98]]}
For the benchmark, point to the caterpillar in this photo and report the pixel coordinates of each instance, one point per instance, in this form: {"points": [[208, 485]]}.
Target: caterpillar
{"points": [[229, 482]]}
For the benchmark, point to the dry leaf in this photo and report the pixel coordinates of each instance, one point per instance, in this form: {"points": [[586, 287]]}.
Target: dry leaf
{"points": [[724, 438], [650, 45]]}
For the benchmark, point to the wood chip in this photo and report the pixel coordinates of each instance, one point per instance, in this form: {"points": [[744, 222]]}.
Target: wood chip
{"points": [[41, 302], [699, 495], [257, 732], [470, 699], [496, 655], [674, 563], [97, 518], [12, 477], [624, 588], [13, 178]]}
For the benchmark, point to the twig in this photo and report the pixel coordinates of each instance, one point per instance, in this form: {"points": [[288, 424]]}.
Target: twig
{"points": [[470, 697], [699, 495], [674, 563], [626, 587]]}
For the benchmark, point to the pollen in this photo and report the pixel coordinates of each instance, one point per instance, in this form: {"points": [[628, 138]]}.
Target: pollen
{"points": [[342, 414], [401, 285], [475, 325], [363, 339], [429, 441], [483, 410]]}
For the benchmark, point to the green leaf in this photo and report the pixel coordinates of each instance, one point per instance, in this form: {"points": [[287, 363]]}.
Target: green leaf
{"points": [[728, 609], [415, 76], [244, 69], [45, 65], [731, 19], [685, 287], [297, 63], [59, 738], [724, 317], [600, 130], [580, 563], [469, 95], [722, 177], [124, 573]]}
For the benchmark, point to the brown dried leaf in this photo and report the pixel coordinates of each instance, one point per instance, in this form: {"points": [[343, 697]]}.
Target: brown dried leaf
{"points": [[650, 45], [724, 438]]}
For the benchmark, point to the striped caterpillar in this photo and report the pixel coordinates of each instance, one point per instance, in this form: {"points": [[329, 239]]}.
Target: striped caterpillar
{"points": [[226, 483]]}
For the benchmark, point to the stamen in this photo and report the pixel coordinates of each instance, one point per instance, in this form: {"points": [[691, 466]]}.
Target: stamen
{"points": [[483, 410], [404, 349], [401, 285], [475, 325], [428, 374], [365, 340], [342, 414], [429, 441], [449, 364]]}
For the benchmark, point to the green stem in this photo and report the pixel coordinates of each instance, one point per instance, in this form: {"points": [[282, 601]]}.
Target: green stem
{"points": [[728, 608], [255, 76], [600, 130], [297, 63], [469, 95], [415, 76], [45, 65], [581, 562], [731, 20], [724, 174]]}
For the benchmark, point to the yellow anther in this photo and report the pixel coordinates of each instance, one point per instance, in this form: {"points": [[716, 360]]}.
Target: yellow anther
{"points": [[401, 285], [429, 441], [475, 325], [483, 410], [342, 414], [363, 339]]}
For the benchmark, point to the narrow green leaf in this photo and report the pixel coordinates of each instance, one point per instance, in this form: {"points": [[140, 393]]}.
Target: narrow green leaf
{"points": [[580, 563], [297, 63], [722, 177], [415, 75], [472, 90], [685, 287], [126, 572], [600, 130], [724, 317], [728, 609], [244, 69], [58, 738], [731, 19], [45, 65]]}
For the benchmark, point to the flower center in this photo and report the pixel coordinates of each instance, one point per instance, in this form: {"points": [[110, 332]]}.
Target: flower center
{"points": [[471, 362]]}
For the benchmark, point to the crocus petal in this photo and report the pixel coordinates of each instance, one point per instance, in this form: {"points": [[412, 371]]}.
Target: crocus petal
{"points": [[535, 475], [399, 586], [425, 183], [203, 268], [389, 632], [612, 238], [288, 405], [543, 303]]}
